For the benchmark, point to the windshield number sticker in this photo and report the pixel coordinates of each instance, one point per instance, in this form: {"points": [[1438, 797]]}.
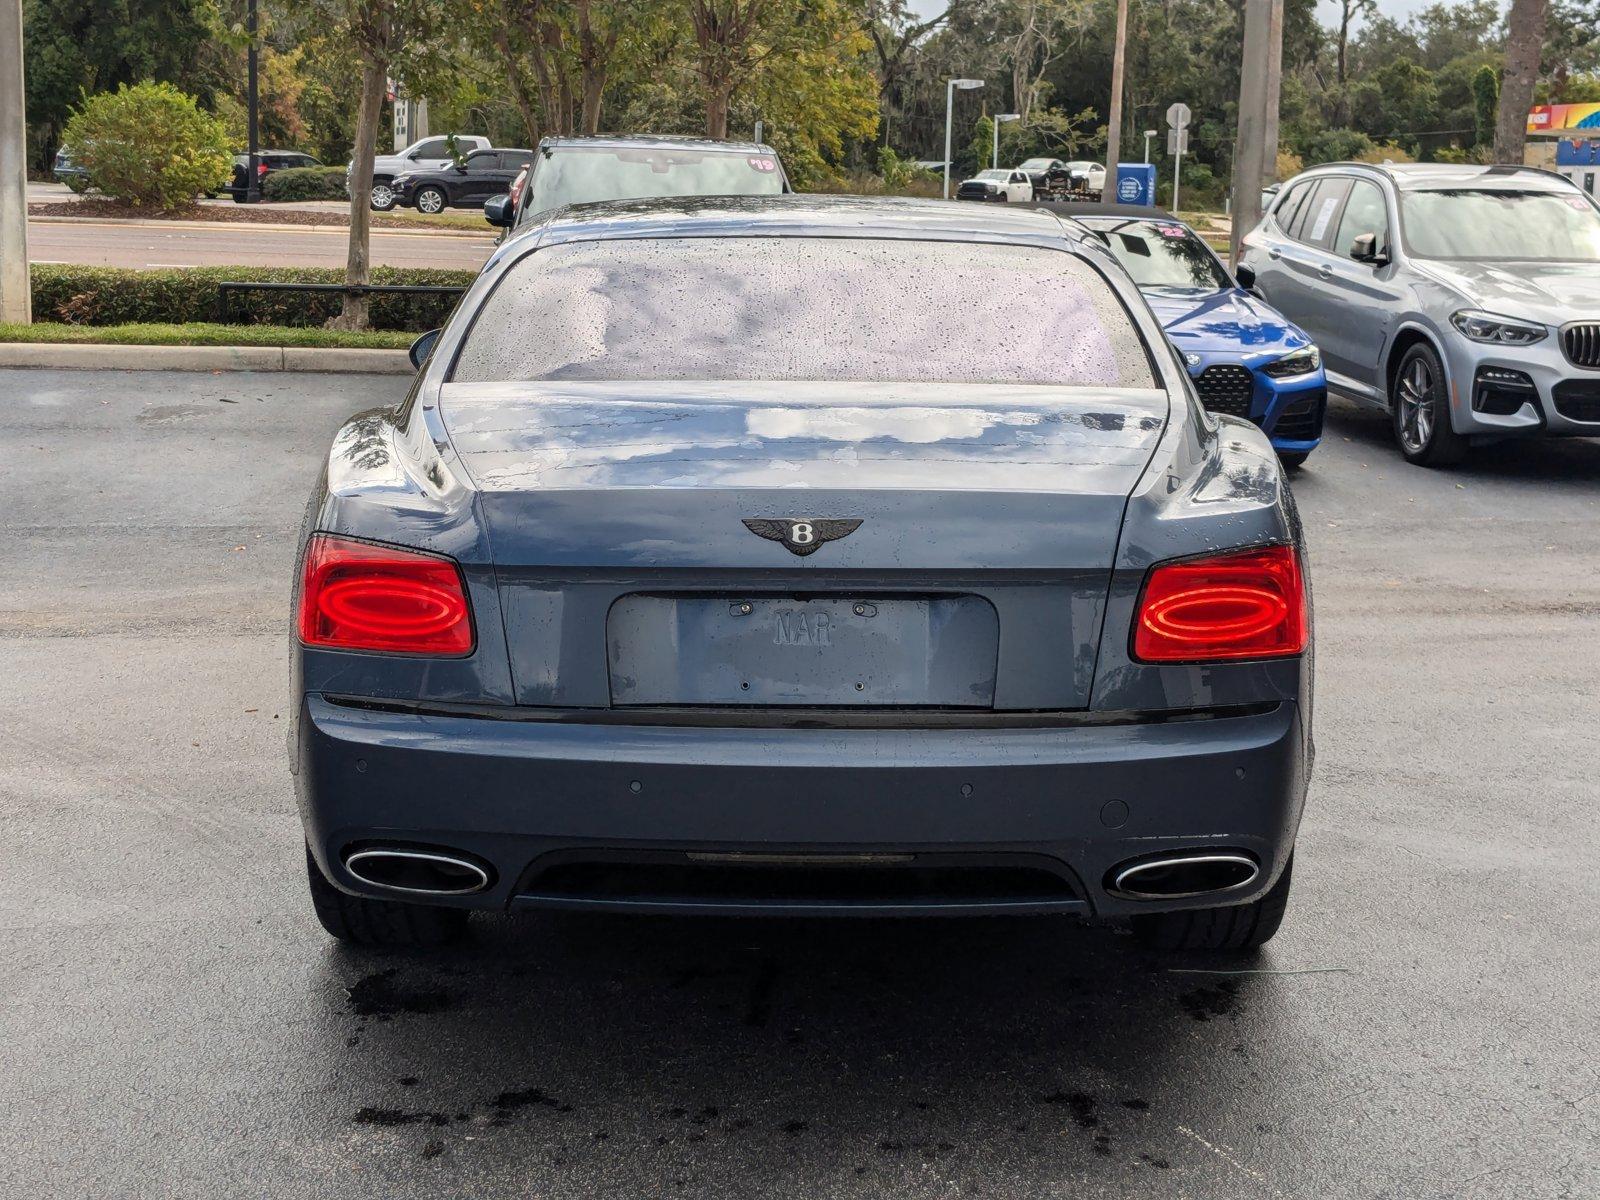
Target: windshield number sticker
{"points": [[1173, 231], [1578, 202], [762, 164]]}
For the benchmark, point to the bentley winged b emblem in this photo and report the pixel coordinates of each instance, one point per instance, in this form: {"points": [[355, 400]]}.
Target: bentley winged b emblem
{"points": [[802, 535]]}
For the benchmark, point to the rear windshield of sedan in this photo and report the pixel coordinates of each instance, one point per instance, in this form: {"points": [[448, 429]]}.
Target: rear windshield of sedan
{"points": [[1512, 226], [1162, 254], [594, 174], [804, 308]]}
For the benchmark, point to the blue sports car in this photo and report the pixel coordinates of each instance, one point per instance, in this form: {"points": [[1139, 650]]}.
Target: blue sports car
{"points": [[1245, 359]]}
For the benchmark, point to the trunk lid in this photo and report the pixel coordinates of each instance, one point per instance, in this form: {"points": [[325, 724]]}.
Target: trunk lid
{"points": [[989, 518]]}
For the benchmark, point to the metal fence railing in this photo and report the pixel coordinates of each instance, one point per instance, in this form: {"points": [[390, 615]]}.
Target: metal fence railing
{"points": [[227, 288]]}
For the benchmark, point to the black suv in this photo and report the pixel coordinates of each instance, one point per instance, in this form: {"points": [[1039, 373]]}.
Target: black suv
{"points": [[481, 175], [267, 161]]}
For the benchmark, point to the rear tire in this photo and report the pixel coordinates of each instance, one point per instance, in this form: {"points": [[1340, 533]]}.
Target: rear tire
{"points": [[388, 924], [1419, 403], [1293, 460], [1228, 930]]}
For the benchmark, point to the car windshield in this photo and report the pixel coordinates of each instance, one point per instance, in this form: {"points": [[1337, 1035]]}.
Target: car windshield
{"points": [[1036, 164], [1162, 254], [1518, 226], [590, 174], [803, 308], [994, 174]]}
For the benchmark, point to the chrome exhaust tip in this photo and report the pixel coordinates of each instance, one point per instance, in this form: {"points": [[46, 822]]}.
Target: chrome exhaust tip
{"points": [[1181, 876], [417, 872]]}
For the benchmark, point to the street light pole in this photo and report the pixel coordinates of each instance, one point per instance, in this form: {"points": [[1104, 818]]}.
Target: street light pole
{"points": [[949, 112], [252, 182], [15, 304], [999, 120], [1148, 134]]}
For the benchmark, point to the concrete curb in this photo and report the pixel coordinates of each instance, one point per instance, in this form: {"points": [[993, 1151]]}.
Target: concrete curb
{"points": [[73, 356], [270, 227]]}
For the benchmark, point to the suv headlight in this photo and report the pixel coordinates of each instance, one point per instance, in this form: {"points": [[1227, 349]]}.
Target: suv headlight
{"points": [[1297, 362], [1500, 331]]}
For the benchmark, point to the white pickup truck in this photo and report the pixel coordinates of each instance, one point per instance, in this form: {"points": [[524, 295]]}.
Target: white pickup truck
{"points": [[431, 153]]}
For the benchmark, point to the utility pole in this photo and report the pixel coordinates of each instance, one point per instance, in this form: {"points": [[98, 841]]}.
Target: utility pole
{"points": [[252, 182], [1114, 121], [15, 304], [1255, 149]]}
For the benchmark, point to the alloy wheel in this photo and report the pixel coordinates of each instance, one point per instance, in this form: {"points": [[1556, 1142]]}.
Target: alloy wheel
{"points": [[1416, 405], [430, 201], [382, 196]]}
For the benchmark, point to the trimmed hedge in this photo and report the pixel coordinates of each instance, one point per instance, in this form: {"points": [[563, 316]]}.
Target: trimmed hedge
{"points": [[119, 296], [305, 183]]}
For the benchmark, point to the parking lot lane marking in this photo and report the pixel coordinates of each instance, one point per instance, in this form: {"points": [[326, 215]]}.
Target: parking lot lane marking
{"points": [[1229, 1159]]}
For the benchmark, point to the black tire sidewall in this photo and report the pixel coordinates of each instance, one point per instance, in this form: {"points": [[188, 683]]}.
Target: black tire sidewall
{"points": [[1444, 444], [444, 201]]}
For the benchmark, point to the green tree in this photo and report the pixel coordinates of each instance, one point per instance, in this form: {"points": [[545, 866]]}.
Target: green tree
{"points": [[149, 144], [78, 47], [1485, 103], [385, 37]]}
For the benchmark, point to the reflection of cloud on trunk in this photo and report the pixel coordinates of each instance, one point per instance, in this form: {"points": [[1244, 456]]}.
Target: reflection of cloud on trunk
{"points": [[921, 425]]}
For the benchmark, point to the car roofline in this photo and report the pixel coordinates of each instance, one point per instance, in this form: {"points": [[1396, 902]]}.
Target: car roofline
{"points": [[1408, 177], [663, 140], [796, 216]]}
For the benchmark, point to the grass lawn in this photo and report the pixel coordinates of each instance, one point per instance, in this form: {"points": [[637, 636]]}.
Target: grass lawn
{"points": [[202, 334]]}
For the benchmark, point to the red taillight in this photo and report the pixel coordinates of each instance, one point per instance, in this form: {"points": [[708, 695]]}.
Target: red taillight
{"points": [[1248, 604], [356, 596], [261, 169]]}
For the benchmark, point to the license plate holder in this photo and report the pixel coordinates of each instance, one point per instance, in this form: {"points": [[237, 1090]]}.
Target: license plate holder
{"points": [[923, 651]]}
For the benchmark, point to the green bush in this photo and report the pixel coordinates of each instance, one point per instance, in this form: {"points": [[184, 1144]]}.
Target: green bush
{"points": [[119, 296], [149, 144], [305, 183]]}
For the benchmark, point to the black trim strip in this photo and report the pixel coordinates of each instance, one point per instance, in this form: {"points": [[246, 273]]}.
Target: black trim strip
{"points": [[805, 718]]}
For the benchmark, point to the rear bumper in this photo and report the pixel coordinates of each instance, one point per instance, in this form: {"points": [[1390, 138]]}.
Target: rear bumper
{"points": [[1071, 799]]}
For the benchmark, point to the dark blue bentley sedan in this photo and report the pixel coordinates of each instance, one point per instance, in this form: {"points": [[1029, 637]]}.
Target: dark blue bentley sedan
{"points": [[1245, 359], [728, 555]]}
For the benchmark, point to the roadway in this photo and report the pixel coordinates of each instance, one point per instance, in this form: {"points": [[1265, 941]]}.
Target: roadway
{"points": [[147, 244]]}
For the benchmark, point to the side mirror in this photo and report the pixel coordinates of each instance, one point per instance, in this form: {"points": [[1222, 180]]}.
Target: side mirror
{"points": [[1365, 249], [497, 211], [1246, 275], [422, 347]]}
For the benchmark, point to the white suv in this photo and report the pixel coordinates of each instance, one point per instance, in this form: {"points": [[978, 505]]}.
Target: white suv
{"points": [[430, 154]]}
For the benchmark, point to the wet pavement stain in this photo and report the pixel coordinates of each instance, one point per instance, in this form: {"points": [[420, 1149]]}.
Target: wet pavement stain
{"points": [[393, 1117], [1204, 1003], [379, 996], [1081, 1104], [758, 1007]]}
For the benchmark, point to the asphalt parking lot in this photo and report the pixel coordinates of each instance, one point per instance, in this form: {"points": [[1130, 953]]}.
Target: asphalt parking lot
{"points": [[174, 1023]]}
